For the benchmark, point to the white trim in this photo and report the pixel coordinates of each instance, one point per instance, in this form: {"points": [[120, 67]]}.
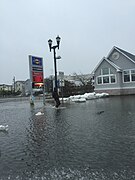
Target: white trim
{"points": [[111, 51], [128, 87], [114, 88], [98, 65], [114, 65], [107, 88]]}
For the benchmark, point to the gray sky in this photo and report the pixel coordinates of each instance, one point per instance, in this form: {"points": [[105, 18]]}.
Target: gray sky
{"points": [[88, 30]]}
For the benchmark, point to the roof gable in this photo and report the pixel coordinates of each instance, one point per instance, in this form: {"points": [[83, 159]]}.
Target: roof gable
{"points": [[128, 55], [110, 62]]}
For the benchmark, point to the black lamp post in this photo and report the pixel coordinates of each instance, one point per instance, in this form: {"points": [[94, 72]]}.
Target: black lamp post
{"points": [[55, 65], [55, 93]]}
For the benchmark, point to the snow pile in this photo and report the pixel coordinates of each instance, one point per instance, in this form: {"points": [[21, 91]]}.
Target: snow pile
{"points": [[39, 114], [101, 95], [89, 96], [3, 127], [86, 96], [77, 98]]}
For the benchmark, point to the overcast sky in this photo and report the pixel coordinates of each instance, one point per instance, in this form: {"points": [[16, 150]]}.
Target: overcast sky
{"points": [[88, 30]]}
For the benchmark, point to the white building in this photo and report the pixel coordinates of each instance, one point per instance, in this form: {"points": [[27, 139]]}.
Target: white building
{"points": [[5, 87], [19, 86], [27, 87]]}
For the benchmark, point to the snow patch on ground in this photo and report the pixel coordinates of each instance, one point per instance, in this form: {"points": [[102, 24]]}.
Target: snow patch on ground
{"points": [[85, 97]]}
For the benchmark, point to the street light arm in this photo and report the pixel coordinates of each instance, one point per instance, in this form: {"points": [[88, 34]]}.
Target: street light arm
{"points": [[58, 57]]}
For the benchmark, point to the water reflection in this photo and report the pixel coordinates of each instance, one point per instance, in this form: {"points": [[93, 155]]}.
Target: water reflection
{"points": [[35, 142], [63, 146], [48, 141]]}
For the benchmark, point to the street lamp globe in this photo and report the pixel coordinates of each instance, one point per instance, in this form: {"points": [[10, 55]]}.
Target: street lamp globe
{"points": [[58, 41], [50, 44]]}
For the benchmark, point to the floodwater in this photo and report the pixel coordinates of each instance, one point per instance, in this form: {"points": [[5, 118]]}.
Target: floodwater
{"points": [[94, 140]]}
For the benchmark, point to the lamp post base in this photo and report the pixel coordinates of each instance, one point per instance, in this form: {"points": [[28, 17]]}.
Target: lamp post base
{"points": [[57, 103], [56, 97]]}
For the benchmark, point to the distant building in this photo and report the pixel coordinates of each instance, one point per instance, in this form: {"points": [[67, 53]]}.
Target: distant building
{"points": [[5, 87], [78, 79], [27, 87], [24, 87], [115, 74], [19, 86]]}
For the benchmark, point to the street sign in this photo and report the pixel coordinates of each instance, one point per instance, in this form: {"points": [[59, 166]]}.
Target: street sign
{"points": [[61, 83], [61, 75]]}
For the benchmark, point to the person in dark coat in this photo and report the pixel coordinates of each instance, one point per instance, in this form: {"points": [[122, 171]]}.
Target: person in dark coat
{"points": [[56, 97]]}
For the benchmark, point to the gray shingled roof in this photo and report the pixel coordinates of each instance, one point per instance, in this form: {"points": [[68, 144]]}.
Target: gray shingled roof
{"points": [[127, 54]]}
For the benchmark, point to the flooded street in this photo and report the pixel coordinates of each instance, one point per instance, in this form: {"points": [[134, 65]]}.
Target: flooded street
{"points": [[92, 140]]}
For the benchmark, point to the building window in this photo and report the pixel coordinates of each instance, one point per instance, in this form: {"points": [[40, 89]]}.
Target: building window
{"points": [[126, 76], [106, 79], [112, 79], [133, 75], [129, 75], [106, 76], [99, 80]]}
